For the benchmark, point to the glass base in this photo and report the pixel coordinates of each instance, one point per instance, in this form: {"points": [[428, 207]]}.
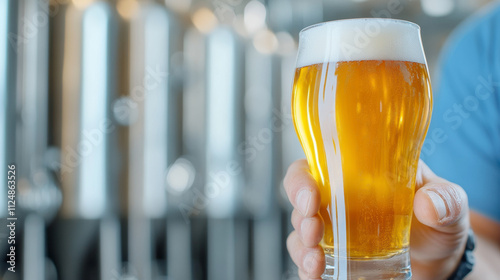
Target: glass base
{"points": [[392, 268]]}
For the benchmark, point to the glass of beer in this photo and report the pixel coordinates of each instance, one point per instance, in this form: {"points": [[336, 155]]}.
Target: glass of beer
{"points": [[361, 106]]}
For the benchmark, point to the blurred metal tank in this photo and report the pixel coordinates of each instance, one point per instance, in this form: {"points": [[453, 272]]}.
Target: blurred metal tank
{"points": [[8, 66], [265, 123], [39, 196], [153, 133], [83, 85], [189, 214], [8, 25], [84, 94], [23, 129], [227, 253]]}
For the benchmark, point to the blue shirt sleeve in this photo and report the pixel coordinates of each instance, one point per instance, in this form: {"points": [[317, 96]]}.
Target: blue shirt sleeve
{"points": [[463, 141]]}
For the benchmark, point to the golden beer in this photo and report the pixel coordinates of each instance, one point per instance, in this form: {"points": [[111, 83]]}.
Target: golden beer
{"points": [[382, 112], [361, 118]]}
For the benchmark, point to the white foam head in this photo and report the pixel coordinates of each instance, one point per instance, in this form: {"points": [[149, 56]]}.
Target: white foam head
{"points": [[360, 39]]}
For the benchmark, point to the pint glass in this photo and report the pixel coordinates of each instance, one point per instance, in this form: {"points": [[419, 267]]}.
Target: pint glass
{"points": [[361, 107]]}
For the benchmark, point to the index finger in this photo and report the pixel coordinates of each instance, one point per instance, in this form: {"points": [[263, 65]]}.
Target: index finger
{"points": [[301, 188]]}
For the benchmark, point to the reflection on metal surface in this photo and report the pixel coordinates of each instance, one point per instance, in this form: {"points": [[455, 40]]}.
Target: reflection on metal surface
{"points": [[95, 124], [224, 126], [156, 111]]}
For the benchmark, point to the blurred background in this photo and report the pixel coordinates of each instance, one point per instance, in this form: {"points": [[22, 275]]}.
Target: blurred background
{"points": [[150, 138]]}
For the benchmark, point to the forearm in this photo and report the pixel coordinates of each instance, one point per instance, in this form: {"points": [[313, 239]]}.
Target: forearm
{"points": [[487, 265]]}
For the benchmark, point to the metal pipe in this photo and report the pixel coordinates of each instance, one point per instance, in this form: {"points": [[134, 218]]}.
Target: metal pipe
{"points": [[83, 74], [263, 159], [33, 86], [291, 151], [224, 166], [95, 119], [110, 248], [8, 31], [185, 178], [224, 123], [178, 249], [40, 197], [85, 119], [34, 248], [67, 113], [153, 137]]}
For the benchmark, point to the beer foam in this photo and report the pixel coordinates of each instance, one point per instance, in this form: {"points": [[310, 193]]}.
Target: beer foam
{"points": [[360, 39]]}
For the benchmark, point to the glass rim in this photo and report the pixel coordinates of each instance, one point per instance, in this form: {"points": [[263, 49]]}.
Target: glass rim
{"points": [[333, 22]]}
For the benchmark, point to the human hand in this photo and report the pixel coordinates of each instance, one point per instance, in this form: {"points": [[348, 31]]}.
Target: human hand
{"points": [[438, 233]]}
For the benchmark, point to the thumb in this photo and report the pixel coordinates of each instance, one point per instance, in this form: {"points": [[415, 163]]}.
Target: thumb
{"points": [[439, 232], [440, 204]]}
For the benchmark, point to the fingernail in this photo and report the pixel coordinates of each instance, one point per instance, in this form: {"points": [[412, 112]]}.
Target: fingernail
{"points": [[439, 204], [303, 200], [310, 262]]}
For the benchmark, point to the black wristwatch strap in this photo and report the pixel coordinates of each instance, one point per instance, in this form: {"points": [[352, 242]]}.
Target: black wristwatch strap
{"points": [[467, 261]]}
